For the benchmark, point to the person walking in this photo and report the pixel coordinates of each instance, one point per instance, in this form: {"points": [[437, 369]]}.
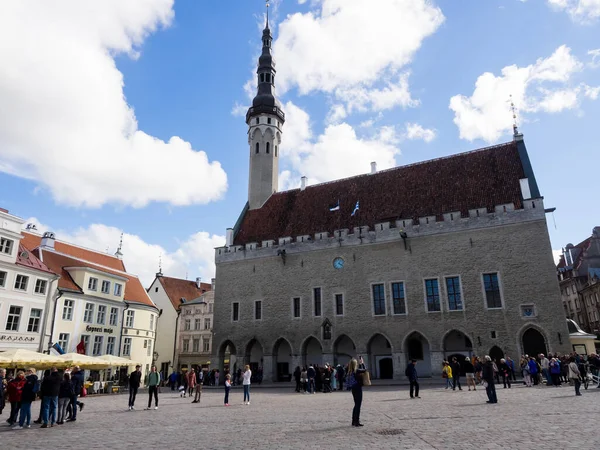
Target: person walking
{"points": [[555, 372], [15, 392], [191, 381], [526, 373], [246, 382], [227, 389], [198, 392], [333, 378], [50, 390], [354, 384], [30, 389], [304, 380], [505, 372], [575, 375], [311, 374], [447, 374], [65, 393], [545, 366], [152, 383], [511, 366], [134, 384], [77, 384], [455, 365], [469, 369], [488, 377], [297, 374], [413, 378], [533, 370]]}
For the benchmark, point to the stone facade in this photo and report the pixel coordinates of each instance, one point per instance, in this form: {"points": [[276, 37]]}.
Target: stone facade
{"points": [[513, 244], [194, 336]]}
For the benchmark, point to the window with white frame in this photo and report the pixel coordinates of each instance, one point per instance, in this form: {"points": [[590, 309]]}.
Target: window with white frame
{"points": [[129, 318], [63, 341], [21, 282], [114, 317], [186, 345], [13, 319], [149, 348], [40, 286], [454, 294], [339, 304], [88, 313], [67, 313], [378, 299], [101, 317], [105, 287], [491, 286], [196, 345], [398, 298], [3, 277], [197, 324], [97, 349], [206, 344], [118, 289], [110, 345], [187, 324], [207, 324], [6, 246], [35, 317], [93, 284], [432, 295], [127, 346]]}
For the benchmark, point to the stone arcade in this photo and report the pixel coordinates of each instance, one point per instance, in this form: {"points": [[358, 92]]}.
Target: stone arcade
{"points": [[445, 257]]}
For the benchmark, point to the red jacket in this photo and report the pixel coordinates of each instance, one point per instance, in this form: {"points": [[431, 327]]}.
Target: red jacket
{"points": [[191, 377], [15, 389]]}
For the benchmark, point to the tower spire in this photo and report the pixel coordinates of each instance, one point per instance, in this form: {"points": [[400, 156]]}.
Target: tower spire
{"points": [[159, 273], [267, 3], [119, 253], [516, 135]]}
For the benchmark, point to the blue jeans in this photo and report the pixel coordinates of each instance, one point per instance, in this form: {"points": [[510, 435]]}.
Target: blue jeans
{"points": [[546, 374], [491, 393], [25, 416], [74, 407], [247, 392], [49, 408], [448, 383]]}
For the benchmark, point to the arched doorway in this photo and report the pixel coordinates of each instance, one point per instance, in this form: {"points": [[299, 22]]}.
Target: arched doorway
{"points": [[282, 360], [534, 342], [417, 347], [312, 352], [380, 357], [496, 354], [254, 357], [343, 350], [457, 344], [227, 358]]}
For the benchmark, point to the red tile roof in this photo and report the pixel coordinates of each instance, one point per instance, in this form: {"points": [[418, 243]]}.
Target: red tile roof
{"points": [[33, 241], [176, 288], [477, 179], [26, 258]]}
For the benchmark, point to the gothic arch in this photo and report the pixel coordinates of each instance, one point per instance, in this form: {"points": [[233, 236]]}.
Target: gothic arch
{"points": [[282, 359], [310, 351], [536, 327], [254, 353], [227, 359], [344, 349], [456, 329], [417, 346], [380, 358], [409, 334]]}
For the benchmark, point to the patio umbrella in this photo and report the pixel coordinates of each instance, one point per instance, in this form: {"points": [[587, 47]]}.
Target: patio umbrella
{"points": [[84, 361], [116, 361], [18, 357]]}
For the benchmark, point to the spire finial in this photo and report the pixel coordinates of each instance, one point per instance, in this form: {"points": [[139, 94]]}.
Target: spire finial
{"points": [[159, 273], [514, 116], [267, 3], [119, 253]]}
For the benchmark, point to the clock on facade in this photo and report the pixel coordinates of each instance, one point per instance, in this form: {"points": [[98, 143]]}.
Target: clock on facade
{"points": [[338, 263]]}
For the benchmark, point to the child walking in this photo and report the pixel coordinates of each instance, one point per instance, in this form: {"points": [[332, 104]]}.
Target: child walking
{"points": [[227, 388]]}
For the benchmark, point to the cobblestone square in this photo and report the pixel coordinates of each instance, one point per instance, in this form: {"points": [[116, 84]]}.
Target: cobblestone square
{"points": [[537, 417]]}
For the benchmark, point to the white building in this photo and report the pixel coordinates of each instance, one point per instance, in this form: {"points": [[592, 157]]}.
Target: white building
{"points": [[25, 289], [168, 294], [96, 303], [194, 336]]}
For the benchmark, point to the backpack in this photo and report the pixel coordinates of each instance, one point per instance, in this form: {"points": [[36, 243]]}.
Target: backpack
{"points": [[36, 387]]}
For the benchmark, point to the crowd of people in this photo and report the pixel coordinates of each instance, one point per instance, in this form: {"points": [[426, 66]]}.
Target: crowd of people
{"points": [[312, 378]]}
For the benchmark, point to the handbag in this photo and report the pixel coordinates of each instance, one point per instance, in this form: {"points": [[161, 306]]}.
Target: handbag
{"points": [[365, 378], [83, 391]]}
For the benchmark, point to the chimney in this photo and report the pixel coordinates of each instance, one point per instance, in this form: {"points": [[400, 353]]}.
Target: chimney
{"points": [[212, 283], [198, 282], [373, 167], [302, 183], [48, 240], [229, 237]]}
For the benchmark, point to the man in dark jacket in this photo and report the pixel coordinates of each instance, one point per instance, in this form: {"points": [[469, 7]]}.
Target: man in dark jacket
{"points": [[135, 380], [488, 377], [455, 366], [413, 377], [50, 389], [77, 384]]}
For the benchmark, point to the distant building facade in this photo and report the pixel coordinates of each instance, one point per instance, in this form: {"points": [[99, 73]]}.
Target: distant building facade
{"points": [[440, 258], [169, 294]]}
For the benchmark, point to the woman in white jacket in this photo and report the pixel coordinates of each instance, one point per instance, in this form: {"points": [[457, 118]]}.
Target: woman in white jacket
{"points": [[247, 377]]}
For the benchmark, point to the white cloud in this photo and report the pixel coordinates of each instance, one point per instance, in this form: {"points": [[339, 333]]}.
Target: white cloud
{"points": [[595, 54], [582, 11], [591, 92], [65, 121], [540, 87], [336, 114], [195, 256], [556, 254], [415, 131], [354, 50], [239, 110]]}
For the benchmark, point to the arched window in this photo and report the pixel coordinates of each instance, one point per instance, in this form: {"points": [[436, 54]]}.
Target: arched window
{"points": [[268, 77], [257, 120], [257, 148], [268, 147], [275, 150], [262, 77]]}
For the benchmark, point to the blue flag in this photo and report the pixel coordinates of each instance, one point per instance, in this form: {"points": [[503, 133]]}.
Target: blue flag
{"points": [[335, 207], [58, 348], [355, 208]]}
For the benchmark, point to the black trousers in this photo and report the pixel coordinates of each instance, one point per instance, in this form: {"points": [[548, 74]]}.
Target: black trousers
{"points": [[357, 394], [506, 379], [132, 394], [152, 390], [414, 387], [456, 382]]}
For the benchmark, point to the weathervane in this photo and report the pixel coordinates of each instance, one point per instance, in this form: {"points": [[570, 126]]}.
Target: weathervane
{"points": [[514, 115]]}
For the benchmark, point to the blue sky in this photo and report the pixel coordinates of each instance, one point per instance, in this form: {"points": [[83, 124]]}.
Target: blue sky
{"points": [[129, 118]]}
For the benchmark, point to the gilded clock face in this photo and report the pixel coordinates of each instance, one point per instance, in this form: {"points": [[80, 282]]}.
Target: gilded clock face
{"points": [[338, 263]]}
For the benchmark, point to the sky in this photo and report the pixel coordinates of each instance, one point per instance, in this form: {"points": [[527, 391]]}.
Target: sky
{"points": [[128, 117]]}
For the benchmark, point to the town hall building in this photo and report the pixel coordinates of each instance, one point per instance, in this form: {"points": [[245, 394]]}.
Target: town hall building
{"points": [[445, 257]]}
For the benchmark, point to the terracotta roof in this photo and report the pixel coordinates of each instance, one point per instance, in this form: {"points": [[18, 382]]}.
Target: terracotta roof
{"points": [[582, 246], [176, 288], [28, 259], [33, 241], [134, 291], [477, 179]]}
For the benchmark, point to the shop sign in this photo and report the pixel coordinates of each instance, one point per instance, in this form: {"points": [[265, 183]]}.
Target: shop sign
{"points": [[91, 329], [11, 338]]}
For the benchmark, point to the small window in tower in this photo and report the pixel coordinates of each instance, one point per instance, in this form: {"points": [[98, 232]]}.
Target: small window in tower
{"points": [[257, 147], [268, 77], [257, 120], [269, 120], [268, 148], [262, 77], [273, 79], [275, 150]]}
